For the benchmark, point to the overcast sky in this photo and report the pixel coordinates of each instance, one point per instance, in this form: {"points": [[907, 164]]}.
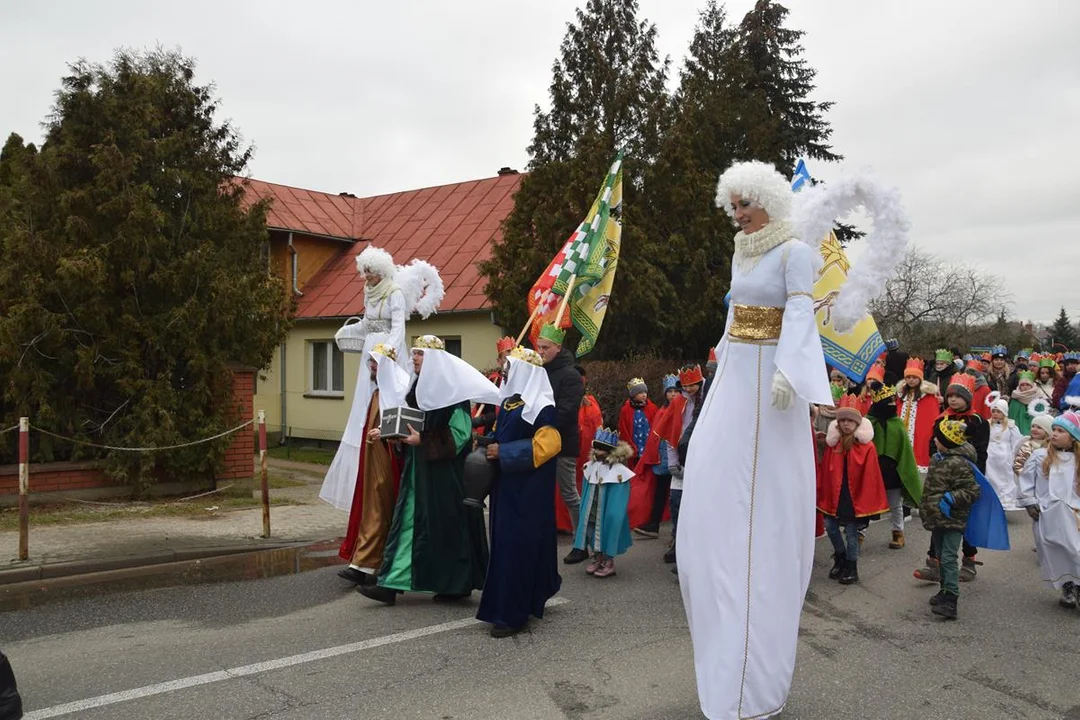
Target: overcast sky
{"points": [[971, 107]]}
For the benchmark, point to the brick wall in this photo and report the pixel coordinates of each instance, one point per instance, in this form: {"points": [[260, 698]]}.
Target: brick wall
{"points": [[239, 463], [51, 477]]}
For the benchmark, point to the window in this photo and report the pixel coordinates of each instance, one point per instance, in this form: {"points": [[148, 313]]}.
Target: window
{"points": [[453, 344], [326, 365]]}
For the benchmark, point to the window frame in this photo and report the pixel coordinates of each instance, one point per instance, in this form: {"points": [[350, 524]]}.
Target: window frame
{"points": [[312, 391]]}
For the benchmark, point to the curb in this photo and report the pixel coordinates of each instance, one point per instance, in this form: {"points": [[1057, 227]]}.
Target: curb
{"points": [[27, 587]]}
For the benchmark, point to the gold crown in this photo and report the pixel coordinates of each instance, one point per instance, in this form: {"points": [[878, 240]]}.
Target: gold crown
{"points": [[634, 382], [883, 393], [386, 350], [527, 355], [954, 430], [428, 342]]}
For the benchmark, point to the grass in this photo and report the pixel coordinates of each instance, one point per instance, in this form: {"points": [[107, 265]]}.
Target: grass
{"points": [[316, 456], [207, 507]]}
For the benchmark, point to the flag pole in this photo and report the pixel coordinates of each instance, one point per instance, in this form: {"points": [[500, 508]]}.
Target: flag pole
{"points": [[565, 300], [532, 318]]}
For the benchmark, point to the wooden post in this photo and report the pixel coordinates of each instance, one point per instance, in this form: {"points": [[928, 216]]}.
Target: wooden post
{"points": [[262, 470], [532, 318], [565, 300], [24, 488]]}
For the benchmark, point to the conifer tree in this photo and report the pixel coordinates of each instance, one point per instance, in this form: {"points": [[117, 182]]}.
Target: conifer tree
{"points": [[133, 271], [607, 92], [1062, 331]]}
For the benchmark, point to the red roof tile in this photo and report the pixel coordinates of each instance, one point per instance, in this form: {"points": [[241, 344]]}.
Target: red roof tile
{"points": [[450, 226]]}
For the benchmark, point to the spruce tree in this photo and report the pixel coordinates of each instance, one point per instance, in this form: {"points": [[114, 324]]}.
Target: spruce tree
{"points": [[1062, 331], [133, 271], [607, 92]]}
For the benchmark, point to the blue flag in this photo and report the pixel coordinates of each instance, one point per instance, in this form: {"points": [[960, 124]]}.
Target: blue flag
{"points": [[987, 526], [801, 176]]}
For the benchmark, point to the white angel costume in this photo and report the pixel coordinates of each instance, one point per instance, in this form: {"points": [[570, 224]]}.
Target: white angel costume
{"points": [[1000, 455], [1057, 531], [746, 528], [416, 287]]}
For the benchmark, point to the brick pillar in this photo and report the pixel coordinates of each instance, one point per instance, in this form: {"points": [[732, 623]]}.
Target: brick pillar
{"points": [[239, 462]]}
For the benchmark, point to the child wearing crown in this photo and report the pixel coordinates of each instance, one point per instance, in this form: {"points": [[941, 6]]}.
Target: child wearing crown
{"points": [[849, 486], [951, 490], [899, 470], [604, 526], [1050, 492]]}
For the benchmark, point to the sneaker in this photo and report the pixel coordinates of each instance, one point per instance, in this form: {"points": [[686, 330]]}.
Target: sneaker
{"points": [[930, 573], [647, 532], [575, 556], [594, 565], [606, 569], [1069, 596], [967, 569], [669, 554]]}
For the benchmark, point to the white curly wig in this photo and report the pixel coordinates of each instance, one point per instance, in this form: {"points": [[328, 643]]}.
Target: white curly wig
{"points": [[758, 182], [376, 260]]}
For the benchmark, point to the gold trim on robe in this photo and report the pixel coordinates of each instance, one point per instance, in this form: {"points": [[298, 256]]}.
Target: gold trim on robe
{"points": [[756, 324]]}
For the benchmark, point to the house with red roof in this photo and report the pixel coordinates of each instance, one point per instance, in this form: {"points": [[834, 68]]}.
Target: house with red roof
{"points": [[314, 238]]}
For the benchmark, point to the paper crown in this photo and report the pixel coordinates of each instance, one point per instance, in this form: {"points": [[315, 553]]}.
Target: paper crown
{"points": [[1047, 362], [505, 344], [943, 355], [974, 364], [848, 408], [385, 350], [1025, 353], [987, 357], [964, 381], [605, 439], [553, 334], [1073, 355], [914, 368], [1070, 423], [999, 351], [670, 382], [635, 382], [691, 375], [1025, 376], [428, 342], [883, 392], [954, 430], [875, 373], [527, 355]]}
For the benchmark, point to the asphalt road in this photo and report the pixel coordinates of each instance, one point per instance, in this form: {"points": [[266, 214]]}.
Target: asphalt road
{"points": [[614, 648]]}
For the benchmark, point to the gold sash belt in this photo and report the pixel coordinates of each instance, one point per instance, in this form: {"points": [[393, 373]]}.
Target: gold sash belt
{"points": [[756, 324]]}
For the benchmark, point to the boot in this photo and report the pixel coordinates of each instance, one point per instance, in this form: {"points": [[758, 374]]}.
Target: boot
{"points": [[936, 600], [669, 554], [378, 593], [897, 541], [930, 573], [851, 572], [967, 568], [839, 560], [946, 607], [1068, 595]]}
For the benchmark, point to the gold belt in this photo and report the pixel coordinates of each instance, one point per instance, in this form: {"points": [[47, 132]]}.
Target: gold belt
{"points": [[756, 323]]}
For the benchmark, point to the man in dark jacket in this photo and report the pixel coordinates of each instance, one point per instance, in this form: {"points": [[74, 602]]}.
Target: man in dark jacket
{"points": [[569, 390], [10, 702]]}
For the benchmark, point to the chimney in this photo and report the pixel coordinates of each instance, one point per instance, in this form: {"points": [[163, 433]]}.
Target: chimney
{"points": [[507, 171], [347, 195]]}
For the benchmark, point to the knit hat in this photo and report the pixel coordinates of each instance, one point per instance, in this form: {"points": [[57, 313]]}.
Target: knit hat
{"points": [[1070, 423], [848, 409], [671, 382], [914, 368], [711, 365], [505, 344], [1001, 406], [635, 386], [1043, 421], [941, 355], [950, 433], [962, 385]]}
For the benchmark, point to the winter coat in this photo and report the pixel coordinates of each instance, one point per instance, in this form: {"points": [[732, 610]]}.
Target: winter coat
{"points": [[949, 472], [942, 379], [569, 390], [978, 434]]}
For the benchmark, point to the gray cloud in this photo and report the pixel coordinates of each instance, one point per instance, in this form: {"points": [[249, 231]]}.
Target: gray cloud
{"points": [[970, 106]]}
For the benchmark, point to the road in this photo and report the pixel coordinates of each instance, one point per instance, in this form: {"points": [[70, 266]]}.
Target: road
{"points": [[306, 646]]}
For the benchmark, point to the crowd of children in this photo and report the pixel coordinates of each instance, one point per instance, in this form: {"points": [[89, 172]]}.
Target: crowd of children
{"points": [[942, 437]]}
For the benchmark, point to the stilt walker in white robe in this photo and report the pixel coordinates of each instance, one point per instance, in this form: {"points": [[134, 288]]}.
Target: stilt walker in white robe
{"points": [[746, 527]]}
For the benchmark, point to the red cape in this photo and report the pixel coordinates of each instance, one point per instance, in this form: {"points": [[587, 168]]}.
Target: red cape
{"points": [[590, 418], [864, 480], [926, 414], [643, 484], [353, 530], [626, 421], [978, 402], [668, 424]]}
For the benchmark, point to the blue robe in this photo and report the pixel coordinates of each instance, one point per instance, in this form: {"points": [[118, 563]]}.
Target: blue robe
{"points": [[523, 571]]}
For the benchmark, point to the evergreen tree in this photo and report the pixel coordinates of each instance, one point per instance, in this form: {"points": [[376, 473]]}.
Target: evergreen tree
{"points": [[1062, 331], [607, 92], [133, 273]]}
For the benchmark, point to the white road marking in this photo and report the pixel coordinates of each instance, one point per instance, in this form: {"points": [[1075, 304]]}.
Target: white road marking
{"points": [[244, 670]]}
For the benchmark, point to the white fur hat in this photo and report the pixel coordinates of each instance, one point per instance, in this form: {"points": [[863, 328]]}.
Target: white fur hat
{"points": [[1001, 406], [376, 260], [755, 181]]}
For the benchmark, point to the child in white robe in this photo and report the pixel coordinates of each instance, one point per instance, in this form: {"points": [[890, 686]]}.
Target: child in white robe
{"points": [[1005, 438]]}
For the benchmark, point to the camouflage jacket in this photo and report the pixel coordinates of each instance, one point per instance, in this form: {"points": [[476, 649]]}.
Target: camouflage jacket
{"points": [[949, 472]]}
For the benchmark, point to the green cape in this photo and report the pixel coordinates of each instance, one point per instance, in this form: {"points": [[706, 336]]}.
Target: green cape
{"points": [[893, 442]]}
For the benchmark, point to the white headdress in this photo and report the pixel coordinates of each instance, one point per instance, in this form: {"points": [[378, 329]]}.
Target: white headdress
{"points": [[418, 281], [530, 381], [755, 181], [447, 380]]}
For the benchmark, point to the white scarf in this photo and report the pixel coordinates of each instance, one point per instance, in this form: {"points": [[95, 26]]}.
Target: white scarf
{"points": [[532, 384], [381, 292], [749, 249]]}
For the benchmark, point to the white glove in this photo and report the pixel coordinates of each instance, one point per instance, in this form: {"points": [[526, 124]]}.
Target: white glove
{"points": [[783, 395]]}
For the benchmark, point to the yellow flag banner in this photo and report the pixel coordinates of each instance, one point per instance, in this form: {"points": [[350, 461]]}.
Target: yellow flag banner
{"points": [[852, 353]]}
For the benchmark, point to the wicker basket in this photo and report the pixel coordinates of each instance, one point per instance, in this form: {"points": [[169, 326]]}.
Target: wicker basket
{"points": [[350, 338]]}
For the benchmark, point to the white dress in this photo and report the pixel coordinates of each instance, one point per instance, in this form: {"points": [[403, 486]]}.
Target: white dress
{"points": [[1004, 440], [383, 322], [1057, 531], [746, 528]]}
